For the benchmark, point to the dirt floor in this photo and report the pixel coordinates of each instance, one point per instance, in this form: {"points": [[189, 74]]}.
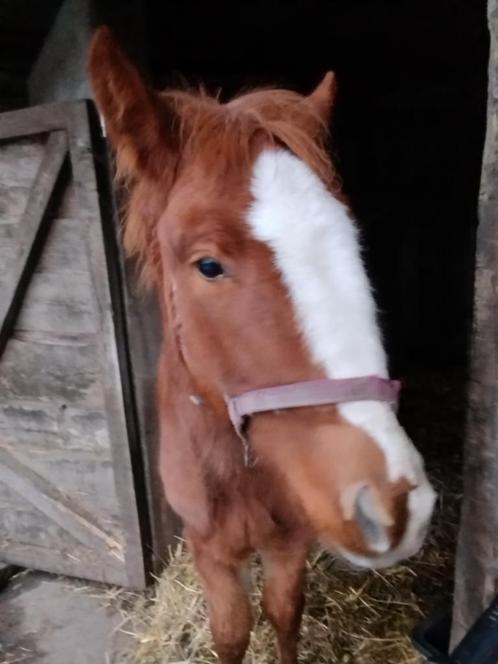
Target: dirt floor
{"points": [[45, 619]]}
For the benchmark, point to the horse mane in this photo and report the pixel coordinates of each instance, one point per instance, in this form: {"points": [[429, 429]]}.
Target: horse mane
{"points": [[224, 137]]}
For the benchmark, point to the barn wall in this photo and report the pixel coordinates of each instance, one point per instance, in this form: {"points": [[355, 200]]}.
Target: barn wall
{"points": [[477, 560]]}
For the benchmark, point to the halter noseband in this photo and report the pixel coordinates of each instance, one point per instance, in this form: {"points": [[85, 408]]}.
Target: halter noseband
{"points": [[310, 393]]}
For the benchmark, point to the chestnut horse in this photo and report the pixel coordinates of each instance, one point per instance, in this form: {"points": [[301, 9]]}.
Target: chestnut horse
{"points": [[236, 214]]}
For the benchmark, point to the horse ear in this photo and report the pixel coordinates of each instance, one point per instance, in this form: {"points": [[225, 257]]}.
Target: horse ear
{"points": [[363, 503], [140, 125], [323, 96]]}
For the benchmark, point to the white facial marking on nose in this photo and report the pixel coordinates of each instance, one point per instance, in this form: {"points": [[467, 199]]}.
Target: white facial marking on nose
{"points": [[317, 252]]}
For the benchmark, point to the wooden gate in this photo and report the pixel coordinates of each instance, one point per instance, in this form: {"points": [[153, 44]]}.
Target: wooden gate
{"points": [[68, 496]]}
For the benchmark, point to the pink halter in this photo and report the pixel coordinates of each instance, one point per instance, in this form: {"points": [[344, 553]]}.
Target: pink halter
{"points": [[311, 393]]}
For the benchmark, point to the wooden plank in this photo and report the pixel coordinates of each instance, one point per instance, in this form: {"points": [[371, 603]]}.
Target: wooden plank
{"points": [[29, 416], [115, 373], [30, 147], [84, 476], [12, 203], [66, 469], [34, 120], [60, 306], [145, 338], [8, 234], [68, 205], [20, 160], [476, 582], [50, 339], [16, 434], [24, 524], [142, 322], [31, 233], [29, 538], [64, 250], [141, 316], [47, 498], [54, 426], [70, 561], [39, 371]]}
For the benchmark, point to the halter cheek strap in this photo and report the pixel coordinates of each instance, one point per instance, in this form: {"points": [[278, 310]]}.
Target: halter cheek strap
{"points": [[311, 393]]}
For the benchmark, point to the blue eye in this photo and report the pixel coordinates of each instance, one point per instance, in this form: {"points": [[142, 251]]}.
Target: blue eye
{"points": [[210, 268]]}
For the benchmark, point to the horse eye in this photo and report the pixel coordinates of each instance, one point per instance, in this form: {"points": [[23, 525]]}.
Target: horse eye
{"points": [[210, 268]]}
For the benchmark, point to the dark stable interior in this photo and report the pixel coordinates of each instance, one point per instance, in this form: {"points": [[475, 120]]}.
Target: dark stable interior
{"points": [[408, 132]]}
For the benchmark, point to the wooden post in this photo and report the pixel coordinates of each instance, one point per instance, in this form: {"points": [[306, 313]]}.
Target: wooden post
{"points": [[476, 581]]}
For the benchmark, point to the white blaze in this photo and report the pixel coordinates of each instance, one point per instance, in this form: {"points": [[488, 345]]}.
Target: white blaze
{"points": [[317, 252]]}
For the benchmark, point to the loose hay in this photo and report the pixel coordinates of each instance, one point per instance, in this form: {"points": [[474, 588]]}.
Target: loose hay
{"points": [[357, 617]]}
